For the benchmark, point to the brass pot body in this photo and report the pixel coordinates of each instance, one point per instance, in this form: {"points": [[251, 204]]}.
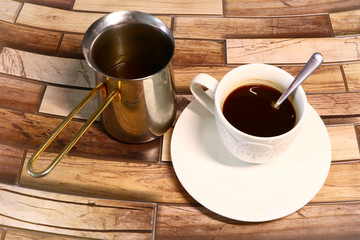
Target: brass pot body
{"points": [[131, 52]]}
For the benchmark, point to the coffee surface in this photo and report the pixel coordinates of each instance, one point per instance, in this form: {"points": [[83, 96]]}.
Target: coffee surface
{"points": [[249, 109], [132, 51], [133, 69]]}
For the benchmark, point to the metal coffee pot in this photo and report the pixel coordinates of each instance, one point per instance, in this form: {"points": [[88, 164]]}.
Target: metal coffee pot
{"points": [[131, 53]]}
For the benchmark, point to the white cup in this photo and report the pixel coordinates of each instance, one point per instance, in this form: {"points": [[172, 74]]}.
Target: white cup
{"points": [[248, 148]]}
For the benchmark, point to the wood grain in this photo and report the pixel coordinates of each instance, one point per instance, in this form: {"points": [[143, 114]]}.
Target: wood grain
{"points": [[277, 50], [19, 94], [352, 74], [65, 71], [345, 23], [165, 19], [9, 10], [61, 101], [213, 7], [121, 180], [344, 144], [62, 20], [199, 52], [40, 41], [342, 184], [281, 8], [338, 221], [70, 216], [106, 189], [71, 46], [27, 235], [342, 120], [30, 130], [166, 145], [223, 28], [63, 4], [10, 163], [56, 19], [182, 101], [358, 132], [184, 75], [335, 105], [324, 79]]}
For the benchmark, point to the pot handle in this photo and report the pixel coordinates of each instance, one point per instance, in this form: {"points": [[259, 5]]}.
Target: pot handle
{"points": [[63, 124]]}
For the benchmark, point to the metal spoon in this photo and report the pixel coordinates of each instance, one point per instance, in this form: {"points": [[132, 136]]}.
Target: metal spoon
{"points": [[313, 63]]}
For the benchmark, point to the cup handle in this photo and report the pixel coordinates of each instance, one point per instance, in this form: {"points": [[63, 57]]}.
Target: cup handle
{"points": [[62, 125], [204, 80]]}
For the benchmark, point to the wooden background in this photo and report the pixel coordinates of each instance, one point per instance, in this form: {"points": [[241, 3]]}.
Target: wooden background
{"points": [[105, 189]]}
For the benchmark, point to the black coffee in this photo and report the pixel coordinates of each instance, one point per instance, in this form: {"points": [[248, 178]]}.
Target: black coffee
{"points": [[249, 109], [132, 51], [132, 69]]}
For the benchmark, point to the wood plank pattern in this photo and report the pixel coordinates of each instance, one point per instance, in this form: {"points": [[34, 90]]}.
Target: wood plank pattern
{"points": [[324, 79], [111, 178], [213, 7], [61, 20], [345, 23], [166, 145], [338, 221], [20, 235], [56, 19], [63, 4], [335, 105], [61, 101], [19, 94], [281, 8], [182, 101], [344, 144], [30, 130], [358, 132], [44, 42], [255, 50], [10, 163], [69, 215], [184, 75], [223, 28], [44, 68], [71, 46], [195, 52], [342, 120], [9, 10], [342, 184], [157, 182], [106, 189], [352, 74]]}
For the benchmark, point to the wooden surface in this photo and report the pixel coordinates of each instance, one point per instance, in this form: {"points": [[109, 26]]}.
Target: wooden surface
{"points": [[105, 189]]}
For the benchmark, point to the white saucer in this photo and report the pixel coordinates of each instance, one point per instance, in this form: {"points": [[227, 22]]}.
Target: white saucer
{"points": [[243, 191]]}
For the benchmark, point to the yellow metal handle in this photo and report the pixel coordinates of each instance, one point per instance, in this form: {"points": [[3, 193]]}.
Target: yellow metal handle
{"points": [[62, 125]]}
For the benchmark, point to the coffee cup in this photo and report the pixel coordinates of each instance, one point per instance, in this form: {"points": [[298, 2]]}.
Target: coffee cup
{"points": [[252, 145]]}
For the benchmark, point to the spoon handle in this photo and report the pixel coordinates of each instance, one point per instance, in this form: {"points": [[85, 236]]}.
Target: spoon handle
{"points": [[313, 63]]}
